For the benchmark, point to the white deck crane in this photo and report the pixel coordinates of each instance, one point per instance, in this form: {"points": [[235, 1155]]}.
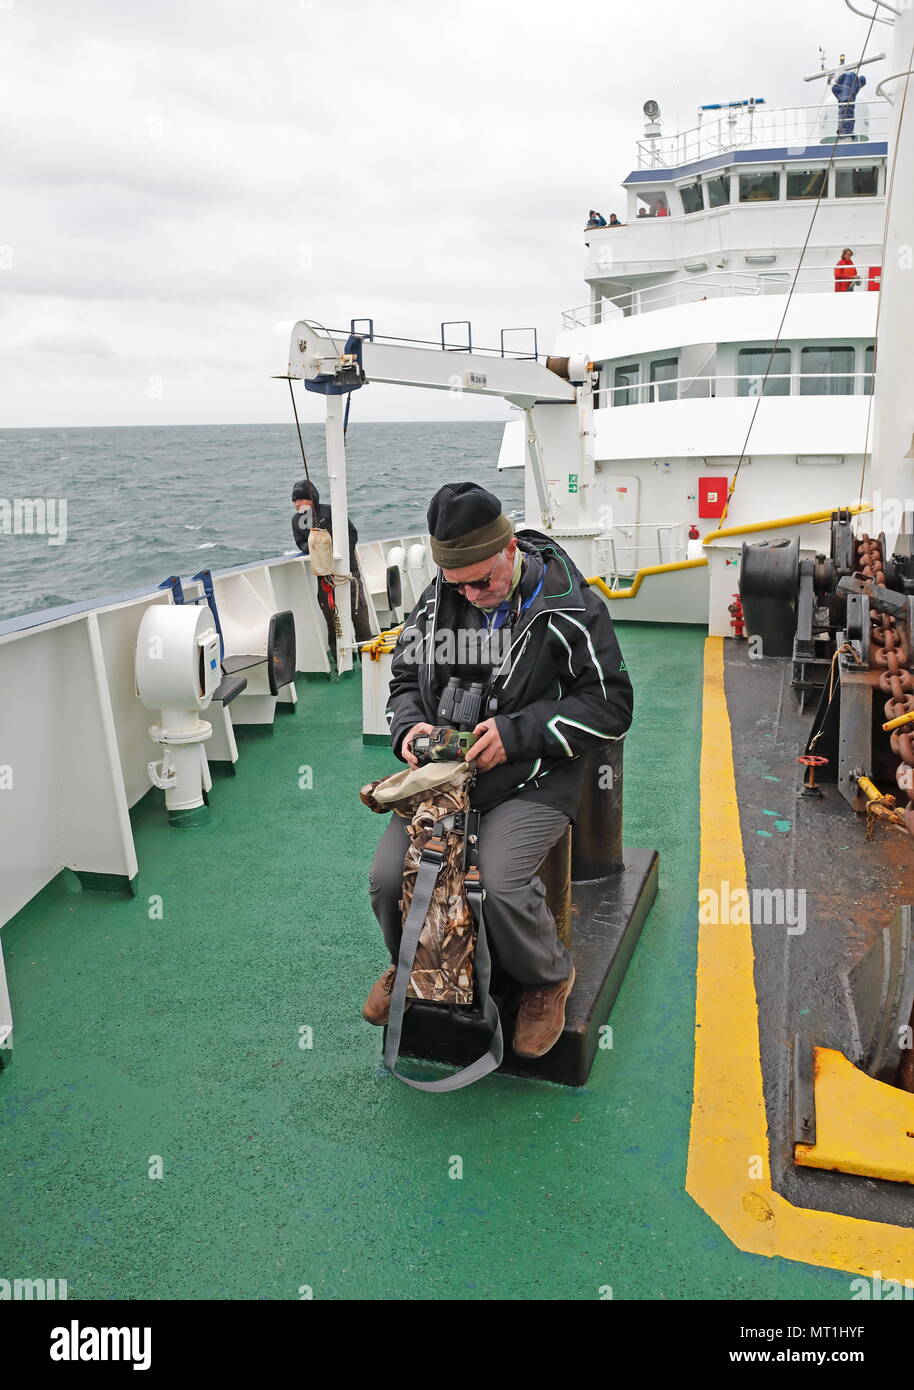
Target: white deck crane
{"points": [[557, 400]]}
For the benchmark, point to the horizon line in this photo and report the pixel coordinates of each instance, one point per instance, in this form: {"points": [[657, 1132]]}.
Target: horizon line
{"points": [[246, 424]]}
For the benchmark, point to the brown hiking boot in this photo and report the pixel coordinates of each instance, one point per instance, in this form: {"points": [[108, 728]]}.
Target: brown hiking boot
{"points": [[377, 1006], [541, 1018]]}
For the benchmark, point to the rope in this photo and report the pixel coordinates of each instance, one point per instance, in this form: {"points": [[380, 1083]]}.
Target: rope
{"points": [[301, 442], [848, 649], [812, 223], [346, 579]]}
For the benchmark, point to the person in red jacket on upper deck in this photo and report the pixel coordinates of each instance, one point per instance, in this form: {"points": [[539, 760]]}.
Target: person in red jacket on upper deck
{"points": [[846, 276]]}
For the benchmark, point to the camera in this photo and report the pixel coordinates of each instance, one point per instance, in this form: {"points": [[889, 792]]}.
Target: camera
{"points": [[443, 745], [459, 711]]}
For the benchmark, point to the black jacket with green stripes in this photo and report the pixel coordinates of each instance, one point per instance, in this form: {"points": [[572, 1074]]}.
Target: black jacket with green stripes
{"points": [[561, 688]]}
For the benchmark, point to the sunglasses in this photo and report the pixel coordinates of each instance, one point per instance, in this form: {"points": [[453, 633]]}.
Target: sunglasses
{"points": [[483, 583]]}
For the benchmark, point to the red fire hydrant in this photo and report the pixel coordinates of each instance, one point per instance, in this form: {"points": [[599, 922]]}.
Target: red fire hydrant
{"points": [[737, 617]]}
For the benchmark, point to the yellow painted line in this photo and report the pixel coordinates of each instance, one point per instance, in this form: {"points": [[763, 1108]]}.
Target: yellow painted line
{"points": [[648, 570], [863, 1126], [728, 1171], [806, 519]]}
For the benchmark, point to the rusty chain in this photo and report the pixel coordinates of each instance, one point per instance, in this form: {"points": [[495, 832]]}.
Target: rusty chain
{"points": [[890, 643]]}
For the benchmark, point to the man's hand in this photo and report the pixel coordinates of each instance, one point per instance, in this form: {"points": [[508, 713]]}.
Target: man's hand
{"points": [[488, 750], [405, 746]]}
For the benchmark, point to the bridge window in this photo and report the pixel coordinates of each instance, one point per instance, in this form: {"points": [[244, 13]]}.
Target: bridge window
{"points": [[758, 188], [718, 190], [823, 371], [663, 379], [807, 183], [691, 198], [754, 363], [856, 183], [626, 385], [653, 204], [869, 363]]}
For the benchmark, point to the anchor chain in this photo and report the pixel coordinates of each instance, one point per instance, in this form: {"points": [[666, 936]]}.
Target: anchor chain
{"points": [[890, 642], [891, 648]]}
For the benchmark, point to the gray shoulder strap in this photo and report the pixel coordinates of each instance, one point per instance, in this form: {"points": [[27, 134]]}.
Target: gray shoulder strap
{"points": [[426, 879]]}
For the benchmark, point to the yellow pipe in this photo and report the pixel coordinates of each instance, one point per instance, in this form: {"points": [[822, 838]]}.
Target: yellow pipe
{"points": [[870, 791], [879, 805], [897, 723], [808, 519], [630, 592]]}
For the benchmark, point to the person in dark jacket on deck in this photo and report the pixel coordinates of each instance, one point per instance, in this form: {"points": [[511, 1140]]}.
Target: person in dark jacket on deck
{"points": [[310, 512], [514, 612]]}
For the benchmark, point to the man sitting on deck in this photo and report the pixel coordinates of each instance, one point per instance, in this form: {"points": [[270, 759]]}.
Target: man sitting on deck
{"points": [[550, 660]]}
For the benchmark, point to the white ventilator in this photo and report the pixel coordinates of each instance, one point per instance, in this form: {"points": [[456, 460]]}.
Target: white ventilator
{"points": [[177, 672], [419, 570]]}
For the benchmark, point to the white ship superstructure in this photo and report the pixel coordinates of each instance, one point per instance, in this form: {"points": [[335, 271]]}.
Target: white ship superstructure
{"points": [[720, 342]]}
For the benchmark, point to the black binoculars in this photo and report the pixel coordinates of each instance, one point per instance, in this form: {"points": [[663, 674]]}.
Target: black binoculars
{"points": [[461, 703]]}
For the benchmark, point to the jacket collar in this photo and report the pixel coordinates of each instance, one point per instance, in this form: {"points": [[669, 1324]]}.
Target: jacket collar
{"points": [[562, 580], [560, 593]]}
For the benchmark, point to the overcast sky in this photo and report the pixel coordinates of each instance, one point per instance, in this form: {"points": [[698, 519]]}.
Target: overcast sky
{"points": [[185, 179]]}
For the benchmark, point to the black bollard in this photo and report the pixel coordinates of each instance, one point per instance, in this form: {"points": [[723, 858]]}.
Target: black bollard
{"points": [[597, 840]]}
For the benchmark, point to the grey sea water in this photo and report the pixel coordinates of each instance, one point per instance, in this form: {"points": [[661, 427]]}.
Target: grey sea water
{"points": [[146, 502]]}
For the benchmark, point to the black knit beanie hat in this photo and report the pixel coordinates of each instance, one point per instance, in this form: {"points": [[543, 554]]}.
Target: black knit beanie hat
{"points": [[466, 525], [305, 491]]}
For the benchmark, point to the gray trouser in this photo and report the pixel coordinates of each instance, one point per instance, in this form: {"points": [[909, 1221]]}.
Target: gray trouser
{"points": [[514, 839]]}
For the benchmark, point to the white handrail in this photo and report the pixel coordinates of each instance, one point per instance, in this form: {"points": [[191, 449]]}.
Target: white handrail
{"points": [[637, 555], [812, 279], [874, 16], [908, 72], [756, 125]]}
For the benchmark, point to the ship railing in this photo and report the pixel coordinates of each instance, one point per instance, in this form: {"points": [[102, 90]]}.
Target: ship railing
{"points": [[694, 289], [747, 385], [624, 549], [744, 127], [691, 291], [454, 335]]}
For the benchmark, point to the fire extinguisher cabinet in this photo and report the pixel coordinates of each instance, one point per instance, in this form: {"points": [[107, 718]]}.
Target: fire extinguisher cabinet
{"points": [[712, 497]]}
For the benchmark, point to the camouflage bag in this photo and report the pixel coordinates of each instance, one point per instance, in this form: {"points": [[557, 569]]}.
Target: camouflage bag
{"points": [[443, 968], [444, 955]]}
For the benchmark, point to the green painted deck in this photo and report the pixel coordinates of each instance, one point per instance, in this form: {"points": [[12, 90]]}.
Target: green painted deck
{"points": [[286, 1167]]}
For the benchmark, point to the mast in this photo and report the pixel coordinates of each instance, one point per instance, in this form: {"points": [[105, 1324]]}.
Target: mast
{"points": [[339, 505], [892, 474]]}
